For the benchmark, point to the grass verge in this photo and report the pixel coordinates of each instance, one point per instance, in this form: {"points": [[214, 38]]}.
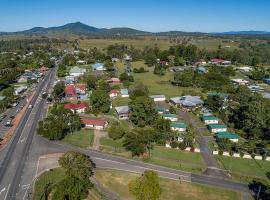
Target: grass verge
{"points": [[83, 138]]}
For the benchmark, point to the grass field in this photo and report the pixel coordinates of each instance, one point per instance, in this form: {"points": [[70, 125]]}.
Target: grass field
{"points": [[119, 101], [137, 43], [52, 177], [213, 44], [161, 85], [172, 158], [244, 169], [83, 138], [117, 181]]}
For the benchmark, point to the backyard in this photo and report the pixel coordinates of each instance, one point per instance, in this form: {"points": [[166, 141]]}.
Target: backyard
{"points": [[83, 138]]}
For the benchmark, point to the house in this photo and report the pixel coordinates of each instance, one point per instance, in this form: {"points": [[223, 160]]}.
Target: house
{"points": [[81, 62], [22, 79], [202, 70], [255, 88], [266, 95], [201, 62], [266, 80], [20, 90], [98, 67], [158, 97], [171, 117], [76, 108], [70, 92], [178, 126], [215, 128], [231, 136], [70, 79], [77, 71], [93, 123], [239, 81], [124, 93], [188, 102], [127, 57], [179, 68], [113, 93], [80, 88], [114, 81], [122, 112], [218, 61], [209, 119], [245, 69], [161, 110]]}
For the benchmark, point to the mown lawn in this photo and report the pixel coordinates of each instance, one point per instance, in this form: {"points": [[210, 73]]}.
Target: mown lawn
{"points": [[160, 155], [162, 85], [117, 182], [51, 178], [83, 138], [244, 169], [119, 101]]}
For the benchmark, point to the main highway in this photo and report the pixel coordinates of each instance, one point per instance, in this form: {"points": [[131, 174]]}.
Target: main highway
{"points": [[19, 159]]}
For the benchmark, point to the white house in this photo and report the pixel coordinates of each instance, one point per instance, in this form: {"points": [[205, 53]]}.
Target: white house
{"points": [[158, 97], [239, 81], [77, 71], [91, 123], [171, 117], [122, 112], [20, 90], [98, 67], [124, 93]]}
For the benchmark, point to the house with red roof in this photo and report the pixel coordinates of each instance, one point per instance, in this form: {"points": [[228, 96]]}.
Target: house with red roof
{"points": [[218, 61], [114, 81], [77, 108], [113, 93], [70, 92], [80, 88], [93, 123]]}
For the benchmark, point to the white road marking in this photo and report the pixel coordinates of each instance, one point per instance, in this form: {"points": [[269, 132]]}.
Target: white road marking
{"points": [[7, 192]]}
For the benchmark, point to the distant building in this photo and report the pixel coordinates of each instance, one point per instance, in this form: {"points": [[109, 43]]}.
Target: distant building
{"points": [[73, 91], [77, 71], [202, 70], [157, 98], [239, 81], [255, 88], [218, 61], [266, 80], [114, 81], [20, 90], [245, 69], [161, 110], [188, 102], [171, 117], [76, 108], [209, 120], [227, 135], [81, 62], [70, 79], [93, 123], [98, 67], [124, 93], [122, 112], [113, 93], [178, 126], [216, 128]]}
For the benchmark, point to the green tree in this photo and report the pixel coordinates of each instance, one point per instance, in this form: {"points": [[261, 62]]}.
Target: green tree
{"points": [[100, 101], [142, 111], [116, 131], [137, 90], [146, 187], [59, 91], [163, 131], [139, 141]]}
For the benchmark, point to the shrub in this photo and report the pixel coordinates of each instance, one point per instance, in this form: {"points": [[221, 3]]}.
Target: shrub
{"points": [[220, 152], [182, 145]]}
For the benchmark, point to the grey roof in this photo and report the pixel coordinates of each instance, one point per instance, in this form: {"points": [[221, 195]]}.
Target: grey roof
{"points": [[189, 101], [122, 109], [266, 95]]}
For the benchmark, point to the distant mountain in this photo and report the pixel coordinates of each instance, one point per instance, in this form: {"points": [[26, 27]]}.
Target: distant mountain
{"points": [[79, 28], [243, 33]]}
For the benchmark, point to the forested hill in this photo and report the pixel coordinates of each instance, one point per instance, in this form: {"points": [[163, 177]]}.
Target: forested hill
{"points": [[79, 28]]}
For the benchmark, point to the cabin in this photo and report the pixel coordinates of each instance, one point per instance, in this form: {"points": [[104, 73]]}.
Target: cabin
{"points": [[158, 98], [124, 93], [122, 112], [93, 123], [178, 126], [209, 119], [216, 128], [171, 117], [227, 135]]}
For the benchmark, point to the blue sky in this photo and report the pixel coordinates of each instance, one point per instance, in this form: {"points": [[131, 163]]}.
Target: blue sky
{"points": [[149, 15]]}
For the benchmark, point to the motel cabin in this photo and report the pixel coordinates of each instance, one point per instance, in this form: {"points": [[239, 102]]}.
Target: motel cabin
{"points": [[227, 135], [157, 98], [171, 117], [178, 126], [209, 120], [215, 128]]}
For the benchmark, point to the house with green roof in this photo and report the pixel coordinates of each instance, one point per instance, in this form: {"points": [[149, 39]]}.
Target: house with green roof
{"points": [[171, 117], [209, 119], [227, 135], [215, 128], [76, 71], [178, 126]]}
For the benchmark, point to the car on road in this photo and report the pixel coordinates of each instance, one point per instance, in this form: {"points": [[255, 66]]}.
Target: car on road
{"points": [[15, 104], [8, 123], [30, 106]]}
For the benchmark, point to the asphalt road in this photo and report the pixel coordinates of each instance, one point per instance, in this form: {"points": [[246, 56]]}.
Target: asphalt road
{"points": [[17, 151]]}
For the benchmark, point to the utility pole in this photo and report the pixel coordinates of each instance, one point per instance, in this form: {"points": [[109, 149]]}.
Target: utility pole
{"points": [[258, 195]]}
